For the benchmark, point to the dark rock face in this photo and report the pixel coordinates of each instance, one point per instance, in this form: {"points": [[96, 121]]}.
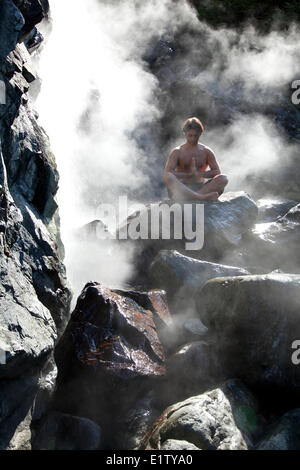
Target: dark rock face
{"points": [[256, 320], [34, 293], [284, 434], [224, 418], [108, 353], [60, 431], [33, 12]]}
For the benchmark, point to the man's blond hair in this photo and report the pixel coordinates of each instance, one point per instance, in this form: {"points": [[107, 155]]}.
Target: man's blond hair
{"points": [[193, 123]]}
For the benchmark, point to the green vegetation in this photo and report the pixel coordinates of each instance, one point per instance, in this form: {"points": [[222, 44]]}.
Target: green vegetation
{"points": [[263, 13]]}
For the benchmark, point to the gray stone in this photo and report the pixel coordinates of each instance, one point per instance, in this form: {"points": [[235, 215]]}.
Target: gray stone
{"points": [[222, 419], [255, 320], [175, 444]]}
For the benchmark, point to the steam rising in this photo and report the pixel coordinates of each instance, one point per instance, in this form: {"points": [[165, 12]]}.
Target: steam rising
{"points": [[99, 103]]}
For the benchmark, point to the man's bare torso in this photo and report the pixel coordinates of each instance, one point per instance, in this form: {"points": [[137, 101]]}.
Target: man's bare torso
{"points": [[185, 159]]}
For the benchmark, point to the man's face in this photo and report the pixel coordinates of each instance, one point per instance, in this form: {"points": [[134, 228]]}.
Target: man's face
{"points": [[192, 137]]}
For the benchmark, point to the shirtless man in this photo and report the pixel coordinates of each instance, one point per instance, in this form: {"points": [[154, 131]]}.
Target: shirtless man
{"points": [[186, 168]]}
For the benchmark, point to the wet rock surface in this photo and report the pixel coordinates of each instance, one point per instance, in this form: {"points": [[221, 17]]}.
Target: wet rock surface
{"points": [[109, 352]]}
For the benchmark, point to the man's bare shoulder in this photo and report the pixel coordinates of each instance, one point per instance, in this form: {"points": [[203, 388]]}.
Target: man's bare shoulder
{"points": [[207, 149], [176, 151]]}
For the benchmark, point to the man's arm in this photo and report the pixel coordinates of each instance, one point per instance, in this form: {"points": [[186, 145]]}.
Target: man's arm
{"points": [[213, 165], [171, 167]]}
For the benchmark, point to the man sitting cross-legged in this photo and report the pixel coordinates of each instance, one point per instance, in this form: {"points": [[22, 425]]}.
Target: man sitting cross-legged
{"points": [[186, 168]]}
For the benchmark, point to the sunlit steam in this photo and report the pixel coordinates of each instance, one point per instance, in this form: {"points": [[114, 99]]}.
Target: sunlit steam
{"points": [[98, 92]]}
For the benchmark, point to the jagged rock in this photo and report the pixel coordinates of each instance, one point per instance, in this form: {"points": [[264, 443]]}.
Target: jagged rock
{"points": [[34, 40], [33, 12], [181, 277], [11, 24], [269, 210], [109, 352], [224, 418], [155, 301], [274, 245], [255, 320], [60, 431], [35, 296], [284, 434]]}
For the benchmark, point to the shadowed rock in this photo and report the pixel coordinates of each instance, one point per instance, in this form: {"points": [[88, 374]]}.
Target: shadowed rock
{"points": [[255, 320], [283, 434], [224, 418]]}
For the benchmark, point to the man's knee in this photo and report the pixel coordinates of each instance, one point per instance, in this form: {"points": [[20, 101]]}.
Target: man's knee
{"points": [[222, 180]]}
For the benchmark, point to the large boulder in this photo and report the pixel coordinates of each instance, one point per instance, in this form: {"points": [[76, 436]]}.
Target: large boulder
{"points": [[181, 277], [255, 320], [108, 356], [225, 418], [205, 230]]}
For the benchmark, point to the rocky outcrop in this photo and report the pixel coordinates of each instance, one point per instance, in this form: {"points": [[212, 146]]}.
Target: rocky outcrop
{"points": [[274, 245], [109, 357], [255, 320], [35, 296], [223, 419]]}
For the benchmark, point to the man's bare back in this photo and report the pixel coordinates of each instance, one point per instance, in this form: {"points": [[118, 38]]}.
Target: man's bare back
{"points": [[186, 175]]}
